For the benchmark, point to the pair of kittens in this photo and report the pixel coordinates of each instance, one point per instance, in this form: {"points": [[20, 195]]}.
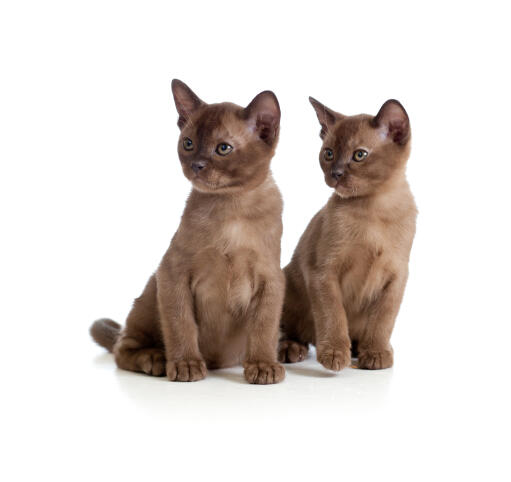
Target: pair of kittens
{"points": [[219, 296]]}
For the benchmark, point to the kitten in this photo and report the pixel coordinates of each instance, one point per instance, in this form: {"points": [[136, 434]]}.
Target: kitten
{"points": [[217, 295], [346, 279]]}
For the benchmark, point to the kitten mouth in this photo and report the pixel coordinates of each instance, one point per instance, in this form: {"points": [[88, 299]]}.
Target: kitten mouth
{"points": [[206, 186], [339, 185], [343, 195], [201, 180], [345, 191]]}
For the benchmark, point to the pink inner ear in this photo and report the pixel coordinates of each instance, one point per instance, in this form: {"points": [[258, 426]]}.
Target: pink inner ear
{"points": [[264, 110], [263, 115], [266, 127], [326, 116], [394, 119], [267, 106], [399, 132], [186, 101], [185, 106]]}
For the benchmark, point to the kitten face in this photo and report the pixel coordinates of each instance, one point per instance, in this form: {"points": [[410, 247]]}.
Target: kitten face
{"points": [[362, 153], [225, 147]]}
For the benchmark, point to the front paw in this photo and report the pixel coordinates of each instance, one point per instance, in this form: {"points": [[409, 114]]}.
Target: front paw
{"points": [[186, 370], [334, 358], [375, 360], [292, 351], [264, 373]]}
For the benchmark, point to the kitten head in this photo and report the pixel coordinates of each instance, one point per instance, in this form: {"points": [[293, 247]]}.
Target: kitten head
{"points": [[361, 154], [224, 147]]}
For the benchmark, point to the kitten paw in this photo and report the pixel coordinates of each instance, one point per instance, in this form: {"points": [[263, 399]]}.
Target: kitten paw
{"points": [[186, 370], [151, 361], [375, 360], [334, 358], [131, 355], [292, 351], [262, 373]]}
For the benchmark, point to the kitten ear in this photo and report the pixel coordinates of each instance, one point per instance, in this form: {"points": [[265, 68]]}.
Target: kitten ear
{"points": [[186, 101], [394, 120], [326, 116], [263, 116]]}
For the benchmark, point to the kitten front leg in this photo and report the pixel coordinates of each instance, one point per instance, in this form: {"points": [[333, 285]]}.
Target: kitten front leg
{"points": [[374, 349], [333, 344], [180, 333], [261, 366]]}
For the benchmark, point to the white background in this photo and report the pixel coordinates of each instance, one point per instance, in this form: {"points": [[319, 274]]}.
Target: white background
{"points": [[91, 193]]}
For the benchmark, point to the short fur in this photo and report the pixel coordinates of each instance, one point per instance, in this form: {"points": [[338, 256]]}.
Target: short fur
{"points": [[346, 279], [216, 298]]}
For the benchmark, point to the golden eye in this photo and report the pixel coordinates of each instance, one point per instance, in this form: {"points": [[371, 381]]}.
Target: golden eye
{"points": [[187, 144], [223, 149], [360, 155], [329, 154]]}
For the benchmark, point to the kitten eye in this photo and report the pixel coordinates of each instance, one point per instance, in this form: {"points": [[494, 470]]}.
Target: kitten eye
{"points": [[187, 144], [360, 155], [223, 149], [329, 154]]}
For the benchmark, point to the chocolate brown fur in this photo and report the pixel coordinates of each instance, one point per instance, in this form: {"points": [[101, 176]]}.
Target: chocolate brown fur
{"points": [[216, 298], [346, 279]]}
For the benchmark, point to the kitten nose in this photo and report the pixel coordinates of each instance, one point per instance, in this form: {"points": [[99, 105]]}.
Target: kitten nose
{"points": [[198, 166], [337, 174]]}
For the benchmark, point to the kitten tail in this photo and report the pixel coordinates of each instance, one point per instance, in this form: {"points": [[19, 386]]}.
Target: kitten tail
{"points": [[105, 333]]}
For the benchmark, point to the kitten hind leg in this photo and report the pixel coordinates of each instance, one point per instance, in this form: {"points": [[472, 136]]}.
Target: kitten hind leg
{"points": [[131, 355], [296, 324], [291, 351], [140, 348]]}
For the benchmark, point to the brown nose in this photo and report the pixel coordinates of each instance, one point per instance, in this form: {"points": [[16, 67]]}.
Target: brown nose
{"points": [[337, 174], [198, 166]]}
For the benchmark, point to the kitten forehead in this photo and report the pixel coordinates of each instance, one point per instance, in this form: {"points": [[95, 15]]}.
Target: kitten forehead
{"points": [[221, 122], [352, 129]]}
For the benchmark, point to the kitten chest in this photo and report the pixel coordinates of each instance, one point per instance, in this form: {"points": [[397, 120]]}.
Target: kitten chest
{"points": [[226, 278], [366, 260]]}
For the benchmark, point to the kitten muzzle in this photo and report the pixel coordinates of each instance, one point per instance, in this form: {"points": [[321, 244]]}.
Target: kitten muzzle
{"points": [[198, 166], [337, 173]]}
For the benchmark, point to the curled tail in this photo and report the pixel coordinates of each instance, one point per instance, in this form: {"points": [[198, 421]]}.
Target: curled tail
{"points": [[105, 332]]}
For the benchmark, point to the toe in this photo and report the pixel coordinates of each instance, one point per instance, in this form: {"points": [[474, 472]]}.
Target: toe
{"points": [[197, 371], [183, 371], [291, 351], [171, 371], [264, 373], [158, 369], [146, 363]]}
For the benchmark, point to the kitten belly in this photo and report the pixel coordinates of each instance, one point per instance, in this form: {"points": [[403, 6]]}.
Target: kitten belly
{"points": [[223, 288]]}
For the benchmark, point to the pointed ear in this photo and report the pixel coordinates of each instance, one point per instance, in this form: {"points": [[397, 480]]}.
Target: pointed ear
{"points": [[186, 101], [263, 116], [326, 116], [393, 119]]}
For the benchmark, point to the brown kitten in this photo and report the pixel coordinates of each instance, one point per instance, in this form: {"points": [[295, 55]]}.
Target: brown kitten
{"points": [[217, 295], [346, 279]]}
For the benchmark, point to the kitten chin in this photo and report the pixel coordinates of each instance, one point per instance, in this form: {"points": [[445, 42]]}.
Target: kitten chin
{"points": [[205, 186], [344, 193]]}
